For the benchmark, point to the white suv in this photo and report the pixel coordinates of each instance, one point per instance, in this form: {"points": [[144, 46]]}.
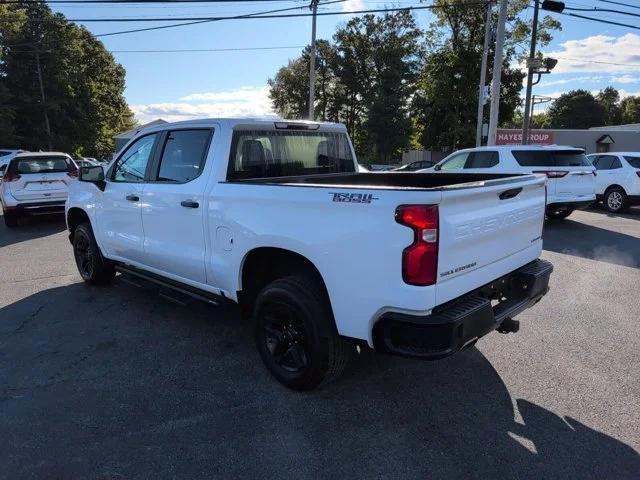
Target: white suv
{"points": [[35, 183], [618, 179], [571, 177]]}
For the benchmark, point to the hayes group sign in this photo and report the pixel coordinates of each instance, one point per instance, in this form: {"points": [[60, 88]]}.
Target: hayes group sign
{"points": [[514, 137]]}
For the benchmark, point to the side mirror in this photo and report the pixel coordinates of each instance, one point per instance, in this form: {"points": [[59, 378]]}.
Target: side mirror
{"points": [[93, 174], [437, 167]]}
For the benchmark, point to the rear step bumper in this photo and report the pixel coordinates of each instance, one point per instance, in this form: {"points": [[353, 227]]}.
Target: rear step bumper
{"points": [[460, 322]]}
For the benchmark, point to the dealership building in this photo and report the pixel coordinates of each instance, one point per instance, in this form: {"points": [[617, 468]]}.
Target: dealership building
{"points": [[617, 138]]}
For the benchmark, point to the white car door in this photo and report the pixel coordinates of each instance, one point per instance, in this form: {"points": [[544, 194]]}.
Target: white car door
{"points": [[119, 218], [607, 170], [173, 205]]}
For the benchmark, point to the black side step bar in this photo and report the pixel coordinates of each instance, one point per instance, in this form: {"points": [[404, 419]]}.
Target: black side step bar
{"points": [[193, 292]]}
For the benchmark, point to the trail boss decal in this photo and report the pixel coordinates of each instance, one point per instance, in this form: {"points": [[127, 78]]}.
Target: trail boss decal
{"points": [[353, 197]]}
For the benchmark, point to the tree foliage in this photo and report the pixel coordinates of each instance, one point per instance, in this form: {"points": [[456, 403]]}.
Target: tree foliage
{"points": [[82, 83], [580, 109], [397, 86]]}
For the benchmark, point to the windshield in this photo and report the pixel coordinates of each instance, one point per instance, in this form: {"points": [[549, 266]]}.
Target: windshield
{"points": [[265, 153], [633, 161], [41, 165]]}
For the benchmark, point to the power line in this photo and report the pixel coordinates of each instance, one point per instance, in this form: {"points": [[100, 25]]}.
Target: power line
{"points": [[597, 9], [260, 15], [597, 61], [621, 4], [600, 20], [196, 50]]}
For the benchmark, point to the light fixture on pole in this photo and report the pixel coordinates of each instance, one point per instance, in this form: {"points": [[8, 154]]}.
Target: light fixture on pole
{"points": [[535, 64]]}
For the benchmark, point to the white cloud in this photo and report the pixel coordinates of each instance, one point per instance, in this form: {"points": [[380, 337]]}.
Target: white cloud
{"points": [[242, 102], [352, 5], [606, 80], [617, 54]]}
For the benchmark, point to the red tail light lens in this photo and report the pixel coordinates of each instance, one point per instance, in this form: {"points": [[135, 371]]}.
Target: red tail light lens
{"points": [[10, 177], [420, 259], [73, 170], [552, 174]]}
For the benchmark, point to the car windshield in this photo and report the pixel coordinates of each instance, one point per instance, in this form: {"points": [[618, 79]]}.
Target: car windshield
{"points": [[41, 165], [633, 161], [273, 153]]}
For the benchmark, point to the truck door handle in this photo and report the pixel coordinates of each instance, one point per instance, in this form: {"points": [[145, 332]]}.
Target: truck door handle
{"points": [[510, 193], [189, 204], [132, 198]]}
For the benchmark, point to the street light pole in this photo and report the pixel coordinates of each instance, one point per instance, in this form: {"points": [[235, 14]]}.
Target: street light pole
{"points": [[526, 120], [483, 76], [497, 74], [312, 61]]}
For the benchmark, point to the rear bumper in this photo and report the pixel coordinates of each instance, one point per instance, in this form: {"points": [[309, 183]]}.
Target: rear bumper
{"points": [[36, 208], [457, 323]]}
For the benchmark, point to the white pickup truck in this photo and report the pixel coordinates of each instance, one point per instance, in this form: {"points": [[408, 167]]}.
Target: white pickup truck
{"points": [[276, 217]]}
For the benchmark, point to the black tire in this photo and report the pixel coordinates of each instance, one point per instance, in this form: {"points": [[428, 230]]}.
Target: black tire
{"points": [[10, 219], [92, 266], [616, 200], [295, 335], [558, 213]]}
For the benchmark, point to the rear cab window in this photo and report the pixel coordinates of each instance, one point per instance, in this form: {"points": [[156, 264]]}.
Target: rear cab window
{"points": [[278, 153], [551, 158]]}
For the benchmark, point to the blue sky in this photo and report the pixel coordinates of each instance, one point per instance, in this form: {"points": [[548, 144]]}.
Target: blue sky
{"points": [[184, 85]]}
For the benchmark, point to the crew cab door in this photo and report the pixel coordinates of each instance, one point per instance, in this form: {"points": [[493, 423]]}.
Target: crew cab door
{"points": [[119, 218], [173, 205]]}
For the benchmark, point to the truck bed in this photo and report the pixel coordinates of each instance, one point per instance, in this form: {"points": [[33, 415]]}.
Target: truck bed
{"points": [[390, 180]]}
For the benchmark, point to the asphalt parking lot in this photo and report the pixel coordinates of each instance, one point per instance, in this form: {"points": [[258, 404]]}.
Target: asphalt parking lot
{"points": [[117, 382]]}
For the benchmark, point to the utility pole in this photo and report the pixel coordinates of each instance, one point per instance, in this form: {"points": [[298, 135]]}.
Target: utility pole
{"points": [[530, 66], [497, 74], [483, 76], [312, 61], [47, 127]]}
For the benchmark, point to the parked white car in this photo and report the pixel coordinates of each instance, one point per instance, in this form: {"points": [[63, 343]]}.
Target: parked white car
{"points": [[35, 183], [6, 156], [618, 179], [276, 217], [570, 175]]}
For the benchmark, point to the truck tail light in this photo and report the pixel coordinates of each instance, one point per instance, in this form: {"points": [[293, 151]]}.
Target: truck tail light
{"points": [[552, 173], [420, 259], [10, 177]]}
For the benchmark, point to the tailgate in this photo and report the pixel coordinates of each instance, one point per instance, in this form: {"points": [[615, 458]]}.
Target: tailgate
{"points": [[47, 186], [484, 225]]}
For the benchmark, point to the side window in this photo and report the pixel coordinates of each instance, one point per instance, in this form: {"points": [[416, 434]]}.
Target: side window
{"points": [[594, 161], [132, 164], [183, 155], [533, 158], [482, 160], [605, 162], [2, 170], [616, 163], [456, 162]]}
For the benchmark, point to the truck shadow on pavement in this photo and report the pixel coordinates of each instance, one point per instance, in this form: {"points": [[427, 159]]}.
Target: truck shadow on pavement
{"points": [[582, 240], [118, 383], [31, 228]]}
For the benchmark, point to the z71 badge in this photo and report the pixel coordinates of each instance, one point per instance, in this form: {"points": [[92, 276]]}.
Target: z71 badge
{"points": [[353, 197]]}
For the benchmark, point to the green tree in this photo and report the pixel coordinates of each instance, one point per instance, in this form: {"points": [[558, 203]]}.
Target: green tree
{"points": [[82, 83], [609, 99], [447, 94], [630, 109], [576, 109]]}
